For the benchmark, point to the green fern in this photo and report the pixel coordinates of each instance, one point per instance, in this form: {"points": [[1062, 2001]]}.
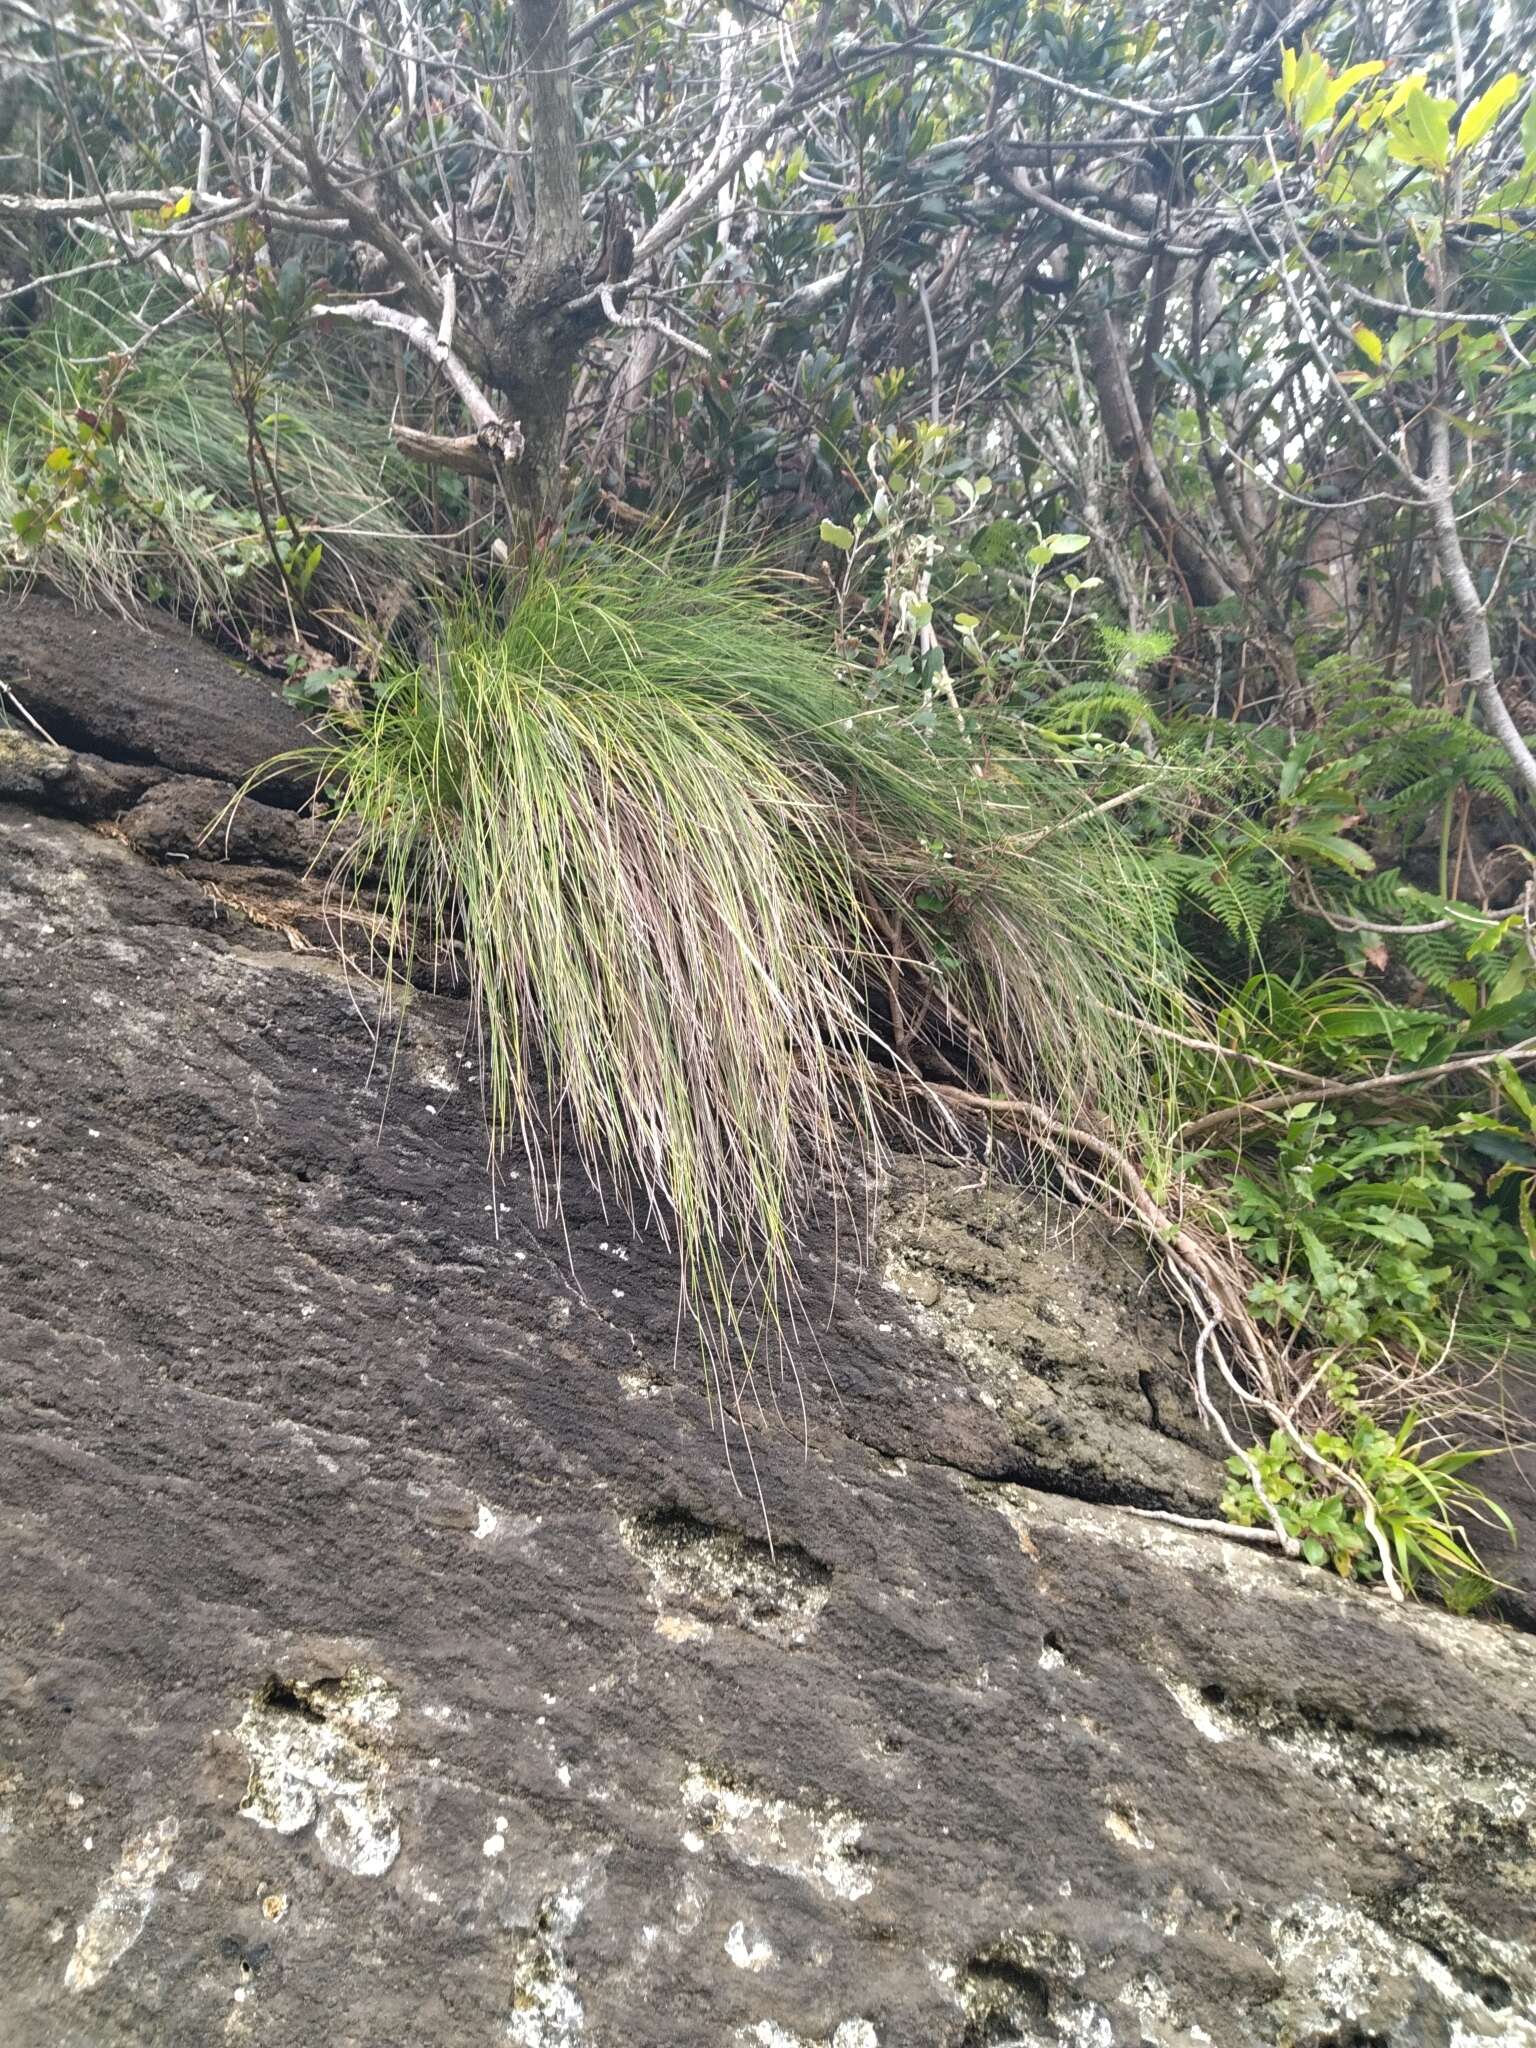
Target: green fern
{"points": [[1102, 705], [1243, 891], [1409, 758], [1129, 652]]}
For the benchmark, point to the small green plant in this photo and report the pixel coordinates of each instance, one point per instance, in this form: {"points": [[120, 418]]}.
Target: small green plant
{"points": [[1419, 1498], [1368, 1233]]}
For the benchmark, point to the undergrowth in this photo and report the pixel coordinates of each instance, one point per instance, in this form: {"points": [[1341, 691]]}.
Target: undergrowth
{"points": [[126, 476], [724, 900], [1351, 1202], [1345, 1493], [1356, 1126]]}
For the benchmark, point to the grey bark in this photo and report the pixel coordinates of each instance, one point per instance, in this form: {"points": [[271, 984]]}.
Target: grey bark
{"points": [[1439, 495]]}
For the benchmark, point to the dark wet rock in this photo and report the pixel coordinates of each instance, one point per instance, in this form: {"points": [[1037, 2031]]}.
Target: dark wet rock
{"points": [[387, 1656], [52, 778], [164, 816], [137, 691], [191, 816]]}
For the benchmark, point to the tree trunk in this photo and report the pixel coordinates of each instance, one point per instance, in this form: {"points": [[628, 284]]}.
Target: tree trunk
{"points": [[1470, 609], [1203, 577], [543, 340]]}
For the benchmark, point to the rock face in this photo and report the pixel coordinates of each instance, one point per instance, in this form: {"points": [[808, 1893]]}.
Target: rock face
{"points": [[388, 1656]]}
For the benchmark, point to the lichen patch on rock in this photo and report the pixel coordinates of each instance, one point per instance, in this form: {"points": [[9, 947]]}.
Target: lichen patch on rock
{"points": [[1424, 1793], [855, 2033], [547, 2011], [819, 1844], [315, 1758], [117, 1916], [1348, 1977], [717, 1575], [748, 1951]]}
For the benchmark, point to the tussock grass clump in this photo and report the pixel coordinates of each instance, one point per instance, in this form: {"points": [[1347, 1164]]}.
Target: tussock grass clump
{"points": [[650, 904], [719, 917]]}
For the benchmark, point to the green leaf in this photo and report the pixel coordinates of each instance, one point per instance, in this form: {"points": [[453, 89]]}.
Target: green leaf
{"points": [[59, 458], [1330, 847], [967, 622], [836, 536], [1368, 341], [1486, 109], [1420, 134]]}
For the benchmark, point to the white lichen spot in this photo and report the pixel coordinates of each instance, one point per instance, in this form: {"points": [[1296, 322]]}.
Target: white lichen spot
{"points": [[689, 1910], [486, 1522], [1124, 1824], [747, 1952], [1050, 1658], [314, 1758], [1198, 1712], [857, 2033], [117, 1918], [1160, 2023], [683, 1628], [547, 2011], [819, 1846], [493, 1845]]}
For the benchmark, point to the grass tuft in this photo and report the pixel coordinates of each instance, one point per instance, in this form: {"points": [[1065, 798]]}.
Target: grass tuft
{"points": [[715, 913]]}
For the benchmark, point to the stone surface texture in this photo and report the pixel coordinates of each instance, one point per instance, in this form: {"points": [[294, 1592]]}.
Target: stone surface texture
{"points": [[388, 1655]]}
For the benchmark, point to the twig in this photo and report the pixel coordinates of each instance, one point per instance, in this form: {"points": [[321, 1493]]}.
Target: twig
{"points": [[1209, 1525], [1113, 803], [658, 326], [1328, 1091]]}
